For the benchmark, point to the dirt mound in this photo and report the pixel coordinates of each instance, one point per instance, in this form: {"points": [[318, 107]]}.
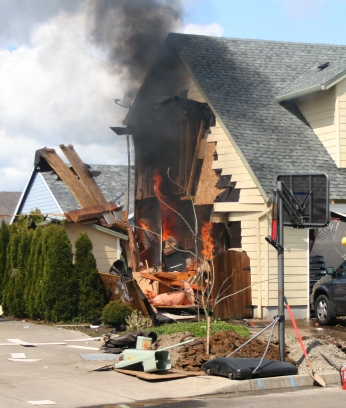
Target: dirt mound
{"points": [[191, 357]]}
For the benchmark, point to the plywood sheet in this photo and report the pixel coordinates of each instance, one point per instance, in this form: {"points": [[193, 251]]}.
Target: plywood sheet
{"points": [[206, 190], [163, 375]]}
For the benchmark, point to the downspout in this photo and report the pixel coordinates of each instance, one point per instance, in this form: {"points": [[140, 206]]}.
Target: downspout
{"points": [[259, 264]]}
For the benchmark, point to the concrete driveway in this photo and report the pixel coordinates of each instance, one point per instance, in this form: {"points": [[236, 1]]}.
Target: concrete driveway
{"points": [[63, 378]]}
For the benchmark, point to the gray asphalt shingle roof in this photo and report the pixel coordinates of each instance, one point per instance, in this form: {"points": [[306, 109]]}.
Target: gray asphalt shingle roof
{"points": [[8, 203], [112, 181], [241, 78], [314, 79]]}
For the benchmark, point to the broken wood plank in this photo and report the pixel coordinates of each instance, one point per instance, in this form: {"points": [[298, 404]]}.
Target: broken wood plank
{"points": [[110, 284], [169, 282], [162, 375], [133, 248], [206, 189], [67, 176], [88, 213], [194, 161], [82, 171]]}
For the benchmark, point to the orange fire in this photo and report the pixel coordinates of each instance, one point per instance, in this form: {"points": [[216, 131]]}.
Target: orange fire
{"points": [[169, 216], [142, 225], [207, 240], [157, 184]]}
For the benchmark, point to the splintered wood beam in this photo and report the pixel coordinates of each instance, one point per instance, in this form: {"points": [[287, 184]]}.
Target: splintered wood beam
{"points": [[133, 247], [89, 212], [82, 171], [194, 162], [170, 282], [67, 176]]}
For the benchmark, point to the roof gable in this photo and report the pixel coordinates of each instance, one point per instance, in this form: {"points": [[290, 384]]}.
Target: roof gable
{"points": [[48, 193]]}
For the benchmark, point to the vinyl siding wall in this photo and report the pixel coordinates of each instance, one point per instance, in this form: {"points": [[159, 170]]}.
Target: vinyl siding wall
{"points": [[319, 109], [106, 248], [341, 119], [40, 197]]}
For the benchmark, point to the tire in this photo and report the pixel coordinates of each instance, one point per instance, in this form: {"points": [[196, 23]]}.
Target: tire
{"points": [[209, 371], [323, 310], [230, 376]]}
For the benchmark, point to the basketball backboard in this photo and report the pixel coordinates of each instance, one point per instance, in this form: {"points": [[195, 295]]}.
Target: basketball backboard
{"points": [[305, 200]]}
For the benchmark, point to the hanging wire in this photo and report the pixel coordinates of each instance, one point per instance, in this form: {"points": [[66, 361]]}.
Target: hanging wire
{"points": [[277, 318], [273, 323]]}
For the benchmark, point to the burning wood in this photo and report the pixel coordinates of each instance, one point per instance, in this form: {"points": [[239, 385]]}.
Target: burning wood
{"points": [[207, 240]]}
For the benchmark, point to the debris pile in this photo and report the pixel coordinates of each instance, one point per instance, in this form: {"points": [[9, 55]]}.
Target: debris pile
{"points": [[191, 356]]}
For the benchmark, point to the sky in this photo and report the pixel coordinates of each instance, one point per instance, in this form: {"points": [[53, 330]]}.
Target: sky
{"points": [[64, 62]]}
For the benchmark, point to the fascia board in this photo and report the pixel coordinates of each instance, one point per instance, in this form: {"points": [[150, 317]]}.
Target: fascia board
{"points": [[108, 231], [24, 193], [335, 80], [225, 129], [312, 89], [297, 94]]}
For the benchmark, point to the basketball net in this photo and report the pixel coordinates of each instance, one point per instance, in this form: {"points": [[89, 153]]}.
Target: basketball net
{"points": [[327, 233]]}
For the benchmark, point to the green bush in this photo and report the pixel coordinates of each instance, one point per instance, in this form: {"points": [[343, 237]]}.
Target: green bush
{"points": [[4, 240], [58, 287], [92, 295], [115, 313]]}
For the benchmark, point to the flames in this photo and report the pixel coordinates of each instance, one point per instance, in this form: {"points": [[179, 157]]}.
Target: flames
{"points": [[157, 178], [207, 240], [171, 223], [142, 225], [169, 214]]}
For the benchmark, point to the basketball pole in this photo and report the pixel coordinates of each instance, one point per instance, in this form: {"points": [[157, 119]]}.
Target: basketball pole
{"points": [[281, 275]]}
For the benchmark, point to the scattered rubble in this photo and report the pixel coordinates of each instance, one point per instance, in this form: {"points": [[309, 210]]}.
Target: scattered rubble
{"points": [[191, 356]]}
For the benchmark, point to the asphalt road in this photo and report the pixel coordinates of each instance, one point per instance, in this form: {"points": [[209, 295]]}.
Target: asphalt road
{"points": [[313, 397]]}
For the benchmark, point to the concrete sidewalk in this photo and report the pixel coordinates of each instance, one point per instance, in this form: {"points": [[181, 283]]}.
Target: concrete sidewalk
{"points": [[62, 376]]}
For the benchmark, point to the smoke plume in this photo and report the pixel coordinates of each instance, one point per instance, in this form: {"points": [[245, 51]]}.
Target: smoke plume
{"points": [[132, 31]]}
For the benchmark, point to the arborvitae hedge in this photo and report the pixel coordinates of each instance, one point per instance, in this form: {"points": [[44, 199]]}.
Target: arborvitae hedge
{"points": [[48, 285], [90, 288], [19, 308], [11, 264], [34, 275], [59, 294], [4, 240]]}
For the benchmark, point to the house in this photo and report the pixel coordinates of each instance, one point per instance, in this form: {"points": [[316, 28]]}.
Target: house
{"points": [[8, 203], [86, 196], [217, 120]]}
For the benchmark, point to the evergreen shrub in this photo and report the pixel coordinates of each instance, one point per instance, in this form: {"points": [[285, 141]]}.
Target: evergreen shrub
{"points": [[91, 292], [115, 313]]}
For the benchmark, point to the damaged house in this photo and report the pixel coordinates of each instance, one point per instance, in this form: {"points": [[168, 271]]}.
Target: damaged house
{"points": [[214, 123], [91, 198]]}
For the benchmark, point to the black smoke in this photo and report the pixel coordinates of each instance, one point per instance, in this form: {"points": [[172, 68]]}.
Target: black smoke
{"points": [[132, 31]]}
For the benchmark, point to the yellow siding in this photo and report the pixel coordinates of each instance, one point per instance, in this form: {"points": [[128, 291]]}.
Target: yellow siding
{"points": [[106, 248], [319, 109], [341, 105]]}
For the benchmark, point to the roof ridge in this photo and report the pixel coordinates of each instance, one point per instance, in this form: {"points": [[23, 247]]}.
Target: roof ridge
{"points": [[258, 40]]}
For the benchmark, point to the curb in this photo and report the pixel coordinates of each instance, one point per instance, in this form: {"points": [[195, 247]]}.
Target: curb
{"points": [[269, 383]]}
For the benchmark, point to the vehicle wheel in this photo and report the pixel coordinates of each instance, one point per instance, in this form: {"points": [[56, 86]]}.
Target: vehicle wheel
{"points": [[209, 371], [230, 376], [323, 310]]}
